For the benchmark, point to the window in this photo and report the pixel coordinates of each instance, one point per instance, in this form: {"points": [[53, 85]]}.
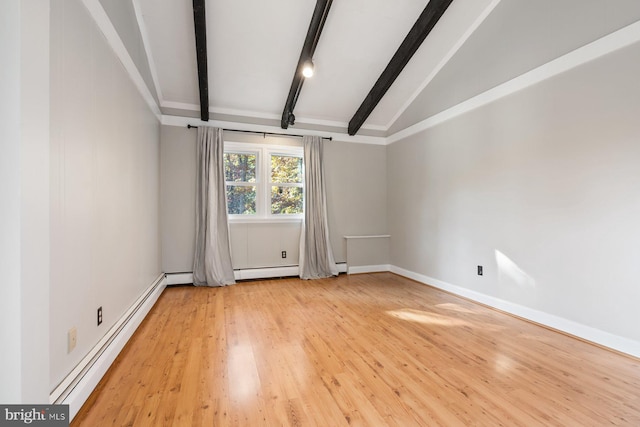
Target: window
{"points": [[264, 181]]}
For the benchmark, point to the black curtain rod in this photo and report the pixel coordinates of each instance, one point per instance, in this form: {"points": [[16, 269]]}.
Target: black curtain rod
{"points": [[263, 133]]}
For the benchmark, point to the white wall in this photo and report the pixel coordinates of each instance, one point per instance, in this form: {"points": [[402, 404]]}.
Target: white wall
{"points": [[105, 247], [24, 217], [356, 182], [541, 188], [10, 307]]}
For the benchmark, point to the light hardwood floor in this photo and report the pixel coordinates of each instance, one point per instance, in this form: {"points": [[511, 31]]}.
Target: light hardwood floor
{"points": [[370, 350]]}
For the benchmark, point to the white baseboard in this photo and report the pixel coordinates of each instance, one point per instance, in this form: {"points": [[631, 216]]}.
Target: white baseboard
{"points": [[342, 267], [266, 273], [606, 339], [249, 273], [179, 278], [78, 385], [359, 269]]}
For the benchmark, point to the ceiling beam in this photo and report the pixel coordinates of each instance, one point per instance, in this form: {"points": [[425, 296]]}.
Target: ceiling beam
{"points": [[420, 30], [310, 42], [200, 25]]}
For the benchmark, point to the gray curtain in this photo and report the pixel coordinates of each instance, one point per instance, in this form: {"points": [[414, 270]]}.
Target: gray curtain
{"points": [[212, 261], [316, 256]]}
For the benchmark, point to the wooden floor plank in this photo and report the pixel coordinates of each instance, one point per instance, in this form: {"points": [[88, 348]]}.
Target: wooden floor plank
{"points": [[370, 349]]}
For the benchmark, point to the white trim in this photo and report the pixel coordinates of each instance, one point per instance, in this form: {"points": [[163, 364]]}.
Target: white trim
{"points": [[244, 113], [113, 39], [266, 116], [179, 278], [378, 236], [265, 273], [247, 219], [168, 120], [179, 105], [615, 342], [342, 267], [479, 20], [594, 50], [249, 273], [359, 269], [76, 387], [269, 272], [147, 48]]}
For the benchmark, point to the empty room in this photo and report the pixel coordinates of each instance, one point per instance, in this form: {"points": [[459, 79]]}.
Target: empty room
{"points": [[331, 213]]}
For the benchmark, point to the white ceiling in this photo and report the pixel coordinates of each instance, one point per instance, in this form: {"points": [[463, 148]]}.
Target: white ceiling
{"points": [[253, 49]]}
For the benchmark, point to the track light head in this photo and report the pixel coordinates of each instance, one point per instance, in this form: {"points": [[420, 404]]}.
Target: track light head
{"points": [[307, 68]]}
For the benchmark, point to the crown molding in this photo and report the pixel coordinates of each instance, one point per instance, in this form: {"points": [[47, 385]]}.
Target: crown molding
{"points": [[180, 121], [147, 49], [113, 39]]}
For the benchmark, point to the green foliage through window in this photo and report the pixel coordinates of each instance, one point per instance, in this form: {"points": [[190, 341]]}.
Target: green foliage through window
{"points": [[239, 167], [286, 198], [263, 182], [241, 200]]}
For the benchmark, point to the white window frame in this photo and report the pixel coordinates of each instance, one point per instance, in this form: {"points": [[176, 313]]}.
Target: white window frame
{"points": [[263, 180]]}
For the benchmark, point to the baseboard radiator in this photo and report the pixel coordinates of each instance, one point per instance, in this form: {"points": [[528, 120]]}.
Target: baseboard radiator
{"points": [[248, 274], [76, 387]]}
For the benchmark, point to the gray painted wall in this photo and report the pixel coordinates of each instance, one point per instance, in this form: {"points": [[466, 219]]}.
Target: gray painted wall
{"points": [[104, 184], [356, 182], [541, 188]]}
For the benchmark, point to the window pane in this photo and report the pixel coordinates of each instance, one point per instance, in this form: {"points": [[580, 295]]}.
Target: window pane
{"points": [[286, 169], [286, 200], [241, 200], [240, 167]]}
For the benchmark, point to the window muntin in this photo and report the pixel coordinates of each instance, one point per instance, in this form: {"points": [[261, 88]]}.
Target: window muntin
{"points": [[263, 181]]}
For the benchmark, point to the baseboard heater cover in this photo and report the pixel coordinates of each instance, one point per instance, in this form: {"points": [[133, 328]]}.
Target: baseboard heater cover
{"points": [[248, 273], [76, 387]]}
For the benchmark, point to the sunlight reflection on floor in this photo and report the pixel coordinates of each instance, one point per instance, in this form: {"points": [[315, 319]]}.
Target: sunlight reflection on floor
{"points": [[503, 364], [455, 307], [243, 375], [426, 317]]}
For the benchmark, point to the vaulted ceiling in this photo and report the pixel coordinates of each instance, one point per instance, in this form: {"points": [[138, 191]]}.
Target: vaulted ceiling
{"points": [[254, 47]]}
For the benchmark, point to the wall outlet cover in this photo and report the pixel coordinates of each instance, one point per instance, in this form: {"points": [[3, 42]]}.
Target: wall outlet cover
{"points": [[72, 339]]}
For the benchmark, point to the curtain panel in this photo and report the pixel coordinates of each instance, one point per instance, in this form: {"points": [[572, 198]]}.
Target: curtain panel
{"points": [[316, 256], [212, 260]]}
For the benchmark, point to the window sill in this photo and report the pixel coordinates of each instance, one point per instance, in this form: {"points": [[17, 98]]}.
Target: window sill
{"points": [[262, 220]]}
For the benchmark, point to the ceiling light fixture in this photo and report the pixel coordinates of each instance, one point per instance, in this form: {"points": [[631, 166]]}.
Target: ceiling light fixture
{"points": [[307, 68]]}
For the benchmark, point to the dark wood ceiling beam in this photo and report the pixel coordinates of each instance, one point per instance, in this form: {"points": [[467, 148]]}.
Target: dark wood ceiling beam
{"points": [[418, 33], [318, 19], [200, 25]]}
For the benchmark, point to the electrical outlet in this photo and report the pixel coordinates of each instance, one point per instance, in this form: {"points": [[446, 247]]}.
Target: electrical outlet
{"points": [[72, 339], [99, 316], [284, 254], [479, 270]]}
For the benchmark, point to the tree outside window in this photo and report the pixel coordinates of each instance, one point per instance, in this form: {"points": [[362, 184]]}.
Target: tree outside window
{"points": [[264, 181]]}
